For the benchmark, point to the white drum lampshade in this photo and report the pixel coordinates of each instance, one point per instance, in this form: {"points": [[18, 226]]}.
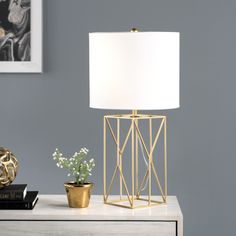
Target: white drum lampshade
{"points": [[134, 70]]}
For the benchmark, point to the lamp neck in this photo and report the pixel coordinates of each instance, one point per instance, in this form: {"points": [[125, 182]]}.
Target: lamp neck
{"points": [[134, 112]]}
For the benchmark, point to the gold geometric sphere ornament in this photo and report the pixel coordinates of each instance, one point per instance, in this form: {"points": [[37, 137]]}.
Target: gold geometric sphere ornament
{"points": [[8, 167], [2, 33]]}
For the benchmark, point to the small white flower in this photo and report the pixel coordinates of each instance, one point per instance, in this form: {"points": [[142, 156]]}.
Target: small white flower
{"points": [[68, 175], [84, 150]]}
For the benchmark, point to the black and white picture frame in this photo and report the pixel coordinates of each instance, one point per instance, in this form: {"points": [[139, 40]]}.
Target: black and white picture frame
{"points": [[21, 36]]}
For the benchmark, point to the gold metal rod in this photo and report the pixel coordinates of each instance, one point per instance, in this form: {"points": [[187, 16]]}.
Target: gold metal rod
{"points": [[118, 142], [142, 140], [142, 183], [111, 131], [114, 138], [119, 200], [111, 183], [137, 160], [147, 206], [118, 205], [157, 137], [104, 159], [149, 165], [133, 179], [154, 144], [126, 140], [146, 200], [165, 159], [158, 182], [134, 113], [120, 153], [149, 155], [119, 159], [139, 117], [137, 207], [125, 185]]}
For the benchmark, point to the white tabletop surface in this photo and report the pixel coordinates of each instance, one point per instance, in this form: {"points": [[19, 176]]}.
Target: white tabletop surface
{"points": [[55, 207]]}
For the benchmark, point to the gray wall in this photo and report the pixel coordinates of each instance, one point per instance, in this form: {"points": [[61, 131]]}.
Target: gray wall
{"points": [[41, 112]]}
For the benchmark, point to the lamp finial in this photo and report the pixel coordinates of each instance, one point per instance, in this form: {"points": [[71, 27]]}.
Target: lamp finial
{"points": [[134, 30]]}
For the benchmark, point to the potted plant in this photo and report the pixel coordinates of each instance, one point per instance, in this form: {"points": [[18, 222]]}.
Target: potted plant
{"points": [[78, 191]]}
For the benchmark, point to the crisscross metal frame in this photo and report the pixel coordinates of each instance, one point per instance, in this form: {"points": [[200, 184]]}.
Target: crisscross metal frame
{"points": [[136, 139]]}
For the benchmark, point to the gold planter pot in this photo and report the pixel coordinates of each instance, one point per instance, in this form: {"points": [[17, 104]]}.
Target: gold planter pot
{"points": [[78, 196]]}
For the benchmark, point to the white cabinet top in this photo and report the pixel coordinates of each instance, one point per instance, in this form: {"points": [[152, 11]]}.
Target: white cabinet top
{"points": [[55, 207]]}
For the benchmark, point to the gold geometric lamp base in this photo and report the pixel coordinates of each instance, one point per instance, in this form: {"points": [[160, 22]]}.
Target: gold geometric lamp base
{"points": [[132, 198]]}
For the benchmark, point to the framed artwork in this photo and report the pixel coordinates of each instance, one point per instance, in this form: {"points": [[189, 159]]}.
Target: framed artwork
{"points": [[21, 36]]}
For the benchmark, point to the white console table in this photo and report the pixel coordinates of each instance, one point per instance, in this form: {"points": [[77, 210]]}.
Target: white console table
{"points": [[52, 217]]}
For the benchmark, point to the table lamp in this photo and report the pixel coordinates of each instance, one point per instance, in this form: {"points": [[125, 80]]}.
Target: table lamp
{"points": [[134, 71]]}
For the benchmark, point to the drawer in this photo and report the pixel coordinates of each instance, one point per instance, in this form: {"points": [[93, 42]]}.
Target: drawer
{"points": [[87, 228]]}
